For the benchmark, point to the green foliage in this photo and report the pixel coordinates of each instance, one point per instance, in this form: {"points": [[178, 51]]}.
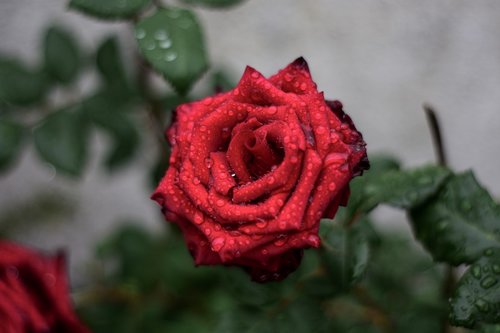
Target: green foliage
{"points": [[110, 115], [172, 41], [109, 9], [20, 85], [477, 297], [345, 252], [61, 140], [214, 3], [110, 66], [12, 135], [61, 55], [460, 223]]}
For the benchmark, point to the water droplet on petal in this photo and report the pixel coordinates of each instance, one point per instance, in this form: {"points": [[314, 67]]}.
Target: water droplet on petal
{"points": [[196, 180], [198, 218], [209, 162], [220, 203], [218, 243], [270, 180], [261, 223], [332, 186], [272, 110], [208, 101], [264, 252], [313, 240]]}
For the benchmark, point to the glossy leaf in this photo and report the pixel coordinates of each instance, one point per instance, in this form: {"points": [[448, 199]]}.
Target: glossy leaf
{"points": [[345, 253], [20, 85], [214, 3], [62, 56], [460, 223], [110, 9], [171, 40], [477, 297], [11, 137], [110, 66], [61, 140]]}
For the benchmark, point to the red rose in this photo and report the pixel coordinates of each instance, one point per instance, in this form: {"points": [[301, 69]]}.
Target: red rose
{"points": [[34, 293], [253, 170]]}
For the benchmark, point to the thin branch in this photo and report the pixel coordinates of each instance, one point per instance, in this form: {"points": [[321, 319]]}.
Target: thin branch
{"points": [[436, 134]]}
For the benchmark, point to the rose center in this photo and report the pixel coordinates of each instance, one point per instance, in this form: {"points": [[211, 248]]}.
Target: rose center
{"points": [[263, 155]]}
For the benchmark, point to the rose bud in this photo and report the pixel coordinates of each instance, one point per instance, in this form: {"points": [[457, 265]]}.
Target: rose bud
{"points": [[34, 293], [253, 170]]}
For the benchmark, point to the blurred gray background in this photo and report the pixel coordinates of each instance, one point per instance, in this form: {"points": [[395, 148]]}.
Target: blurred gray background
{"points": [[382, 59]]}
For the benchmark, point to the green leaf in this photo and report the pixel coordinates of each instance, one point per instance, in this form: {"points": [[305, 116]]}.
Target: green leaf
{"points": [[110, 9], [62, 56], [110, 115], [477, 297], [171, 40], [110, 66], [11, 134], [20, 85], [405, 188], [346, 252], [460, 223], [61, 140], [213, 3]]}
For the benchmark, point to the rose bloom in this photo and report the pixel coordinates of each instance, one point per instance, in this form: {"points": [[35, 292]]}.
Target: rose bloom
{"points": [[253, 170], [34, 293]]}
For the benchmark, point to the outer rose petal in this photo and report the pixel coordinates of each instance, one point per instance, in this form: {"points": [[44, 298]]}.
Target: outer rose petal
{"points": [[34, 292], [253, 171]]}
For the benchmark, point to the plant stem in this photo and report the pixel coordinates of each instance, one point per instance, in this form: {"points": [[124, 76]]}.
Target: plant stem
{"points": [[437, 139], [450, 279]]}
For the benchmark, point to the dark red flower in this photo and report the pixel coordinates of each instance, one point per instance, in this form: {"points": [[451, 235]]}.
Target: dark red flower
{"points": [[253, 170], [34, 293]]}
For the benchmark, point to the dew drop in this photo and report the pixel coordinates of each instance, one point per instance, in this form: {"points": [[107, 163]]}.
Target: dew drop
{"points": [[482, 305], [165, 44], [488, 282], [220, 203], [209, 162], [476, 271], [218, 243], [272, 109], [313, 240], [264, 252], [271, 180], [196, 180], [321, 130], [150, 46], [161, 35], [140, 33], [170, 56], [332, 186], [303, 86], [280, 241], [198, 218], [261, 224], [207, 231]]}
